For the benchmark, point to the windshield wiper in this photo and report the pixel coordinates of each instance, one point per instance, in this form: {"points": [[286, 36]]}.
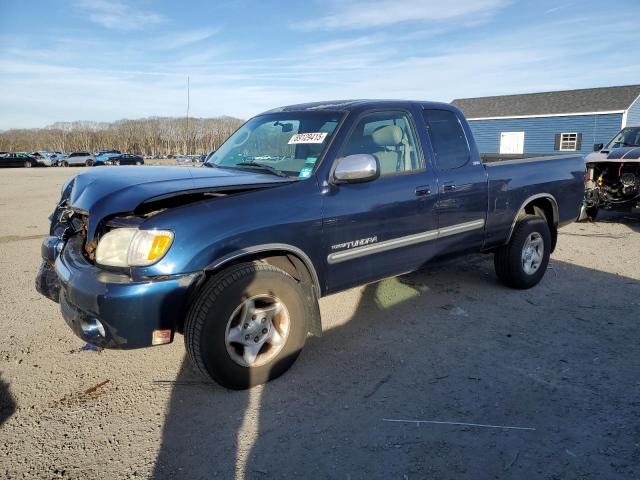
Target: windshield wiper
{"points": [[261, 166]]}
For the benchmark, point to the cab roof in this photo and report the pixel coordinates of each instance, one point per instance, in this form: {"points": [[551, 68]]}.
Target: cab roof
{"points": [[362, 104]]}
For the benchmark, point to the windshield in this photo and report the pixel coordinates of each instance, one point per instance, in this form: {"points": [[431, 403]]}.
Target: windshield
{"points": [[286, 144], [628, 137]]}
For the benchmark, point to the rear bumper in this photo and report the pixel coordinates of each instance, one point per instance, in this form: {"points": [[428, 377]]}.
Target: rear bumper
{"points": [[109, 309]]}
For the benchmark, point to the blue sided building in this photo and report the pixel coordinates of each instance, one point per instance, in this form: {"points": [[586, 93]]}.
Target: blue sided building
{"points": [[550, 123]]}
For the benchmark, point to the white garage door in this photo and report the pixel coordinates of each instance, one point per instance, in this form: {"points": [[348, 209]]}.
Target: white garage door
{"points": [[512, 142]]}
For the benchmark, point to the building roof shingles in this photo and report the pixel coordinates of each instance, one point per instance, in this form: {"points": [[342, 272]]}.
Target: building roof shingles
{"points": [[586, 100]]}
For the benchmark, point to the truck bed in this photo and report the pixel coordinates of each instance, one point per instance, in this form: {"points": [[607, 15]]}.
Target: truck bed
{"points": [[514, 182]]}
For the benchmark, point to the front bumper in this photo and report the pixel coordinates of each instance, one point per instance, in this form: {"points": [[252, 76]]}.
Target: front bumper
{"points": [[110, 309]]}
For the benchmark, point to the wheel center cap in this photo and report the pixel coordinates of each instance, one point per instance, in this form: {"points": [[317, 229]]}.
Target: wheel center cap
{"points": [[258, 326]]}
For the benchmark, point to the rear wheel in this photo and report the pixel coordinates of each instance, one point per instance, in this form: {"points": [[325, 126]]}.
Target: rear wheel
{"points": [[248, 325], [28, 164], [523, 261]]}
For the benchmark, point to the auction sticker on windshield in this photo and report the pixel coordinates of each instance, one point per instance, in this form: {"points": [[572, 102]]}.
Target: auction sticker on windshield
{"points": [[311, 137]]}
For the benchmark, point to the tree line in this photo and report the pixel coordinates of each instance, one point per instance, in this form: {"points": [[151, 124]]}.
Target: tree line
{"points": [[147, 136]]}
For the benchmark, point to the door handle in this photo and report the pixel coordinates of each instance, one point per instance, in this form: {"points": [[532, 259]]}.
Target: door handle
{"points": [[449, 188], [423, 190]]}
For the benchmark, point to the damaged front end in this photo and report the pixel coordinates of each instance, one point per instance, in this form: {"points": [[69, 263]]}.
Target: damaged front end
{"points": [[106, 307], [612, 185], [65, 223], [106, 240]]}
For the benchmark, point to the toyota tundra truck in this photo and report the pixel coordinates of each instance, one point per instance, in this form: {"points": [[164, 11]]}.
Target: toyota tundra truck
{"points": [[300, 202]]}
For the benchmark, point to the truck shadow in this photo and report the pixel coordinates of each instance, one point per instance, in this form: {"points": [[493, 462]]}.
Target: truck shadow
{"points": [[445, 344], [628, 219], [7, 404]]}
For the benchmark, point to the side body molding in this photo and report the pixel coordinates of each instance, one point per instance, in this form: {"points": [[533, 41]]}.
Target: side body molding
{"points": [[408, 240]]}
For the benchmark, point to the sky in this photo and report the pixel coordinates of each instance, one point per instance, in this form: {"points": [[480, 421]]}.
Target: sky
{"points": [[103, 60]]}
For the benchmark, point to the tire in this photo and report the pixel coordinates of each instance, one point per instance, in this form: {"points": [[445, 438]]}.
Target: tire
{"points": [[88, 163], [211, 319], [510, 262], [28, 164], [138, 163], [65, 163]]}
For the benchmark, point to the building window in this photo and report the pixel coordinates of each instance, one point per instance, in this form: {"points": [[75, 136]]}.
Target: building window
{"points": [[568, 141]]}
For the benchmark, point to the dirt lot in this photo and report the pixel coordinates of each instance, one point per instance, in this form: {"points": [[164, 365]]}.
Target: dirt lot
{"points": [[561, 361]]}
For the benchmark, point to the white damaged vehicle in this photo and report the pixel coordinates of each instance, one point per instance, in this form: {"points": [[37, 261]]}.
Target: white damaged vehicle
{"points": [[612, 177]]}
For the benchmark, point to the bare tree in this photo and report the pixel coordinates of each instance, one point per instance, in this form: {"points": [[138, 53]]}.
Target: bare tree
{"points": [[147, 136]]}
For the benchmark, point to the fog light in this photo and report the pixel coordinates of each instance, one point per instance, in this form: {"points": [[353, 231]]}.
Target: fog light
{"points": [[161, 337], [92, 328]]}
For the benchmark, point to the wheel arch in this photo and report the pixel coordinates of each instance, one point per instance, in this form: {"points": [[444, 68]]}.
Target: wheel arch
{"points": [[286, 257], [544, 205]]}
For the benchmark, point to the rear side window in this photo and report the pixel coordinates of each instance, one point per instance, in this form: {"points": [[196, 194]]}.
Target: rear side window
{"points": [[447, 138]]}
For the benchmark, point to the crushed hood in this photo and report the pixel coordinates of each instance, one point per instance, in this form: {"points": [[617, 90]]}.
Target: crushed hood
{"points": [[622, 154], [103, 191]]}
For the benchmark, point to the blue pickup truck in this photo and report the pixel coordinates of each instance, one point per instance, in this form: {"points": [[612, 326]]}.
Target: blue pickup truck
{"points": [[300, 202]]}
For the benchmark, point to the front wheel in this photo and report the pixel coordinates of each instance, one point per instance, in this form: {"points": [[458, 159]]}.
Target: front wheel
{"points": [[247, 326], [65, 163], [523, 261]]}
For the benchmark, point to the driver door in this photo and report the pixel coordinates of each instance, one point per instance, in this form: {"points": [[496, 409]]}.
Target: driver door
{"points": [[381, 227]]}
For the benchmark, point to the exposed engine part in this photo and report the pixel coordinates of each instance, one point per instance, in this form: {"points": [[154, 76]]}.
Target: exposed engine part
{"points": [[628, 180], [610, 184]]}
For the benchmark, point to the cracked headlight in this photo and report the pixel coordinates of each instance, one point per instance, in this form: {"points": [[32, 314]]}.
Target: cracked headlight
{"points": [[130, 247]]}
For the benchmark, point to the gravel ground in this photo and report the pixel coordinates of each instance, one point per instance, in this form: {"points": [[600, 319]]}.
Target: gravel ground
{"points": [[449, 344]]}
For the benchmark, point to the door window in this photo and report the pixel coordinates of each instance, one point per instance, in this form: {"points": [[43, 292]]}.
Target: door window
{"points": [[389, 137]]}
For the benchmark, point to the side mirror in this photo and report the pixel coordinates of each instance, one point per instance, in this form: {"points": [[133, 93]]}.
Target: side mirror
{"points": [[356, 168], [598, 146]]}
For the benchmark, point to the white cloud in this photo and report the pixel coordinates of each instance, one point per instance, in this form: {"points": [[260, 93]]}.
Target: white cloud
{"points": [[40, 87], [342, 44], [116, 15], [377, 13], [174, 41]]}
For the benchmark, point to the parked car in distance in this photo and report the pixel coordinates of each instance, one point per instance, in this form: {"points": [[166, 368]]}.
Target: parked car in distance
{"points": [[124, 159], [18, 159], [102, 157], [300, 202], [191, 158], [48, 157], [612, 179], [56, 158], [76, 159], [103, 152], [45, 158]]}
